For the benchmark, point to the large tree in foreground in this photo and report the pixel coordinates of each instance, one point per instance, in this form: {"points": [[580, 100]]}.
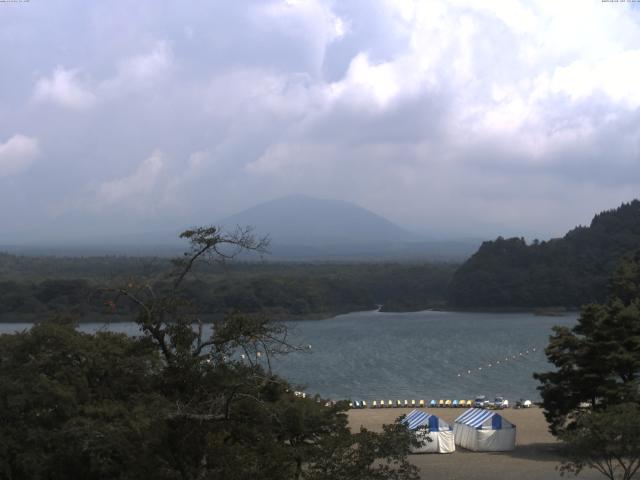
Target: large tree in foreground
{"points": [[595, 389], [186, 400], [605, 440]]}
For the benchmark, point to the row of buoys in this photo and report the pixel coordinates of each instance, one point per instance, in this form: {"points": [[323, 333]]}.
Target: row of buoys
{"points": [[508, 358], [259, 354], [412, 404]]}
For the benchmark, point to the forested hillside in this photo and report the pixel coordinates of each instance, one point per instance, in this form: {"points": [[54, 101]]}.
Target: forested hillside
{"points": [[37, 286], [568, 271]]}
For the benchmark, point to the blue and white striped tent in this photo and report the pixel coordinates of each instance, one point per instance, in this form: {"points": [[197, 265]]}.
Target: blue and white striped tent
{"points": [[433, 433], [484, 430]]}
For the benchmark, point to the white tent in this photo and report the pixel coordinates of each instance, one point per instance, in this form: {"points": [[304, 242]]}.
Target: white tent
{"points": [[434, 434], [484, 431]]}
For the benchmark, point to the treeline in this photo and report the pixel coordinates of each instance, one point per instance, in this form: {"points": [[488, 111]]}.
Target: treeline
{"points": [[30, 268], [283, 290], [568, 272]]}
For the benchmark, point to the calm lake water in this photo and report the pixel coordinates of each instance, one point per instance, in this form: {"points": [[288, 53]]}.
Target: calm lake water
{"points": [[374, 355]]}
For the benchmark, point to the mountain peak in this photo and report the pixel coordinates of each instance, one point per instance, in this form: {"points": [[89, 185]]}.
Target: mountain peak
{"points": [[300, 219]]}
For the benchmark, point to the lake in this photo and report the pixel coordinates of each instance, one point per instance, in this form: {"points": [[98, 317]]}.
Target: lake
{"points": [[428, 355]]}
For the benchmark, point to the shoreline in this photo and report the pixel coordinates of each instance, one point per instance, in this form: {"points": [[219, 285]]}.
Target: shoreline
{"points": [[94, 317]]}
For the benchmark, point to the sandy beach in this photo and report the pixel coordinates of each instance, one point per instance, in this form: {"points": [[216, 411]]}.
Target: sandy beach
{"points": [[535, 456]]}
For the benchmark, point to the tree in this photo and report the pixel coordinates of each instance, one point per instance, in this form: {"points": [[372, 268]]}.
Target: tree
{"points": [[598, 360], [74, 405], [186, 400], [591, 400], [606, 441]]}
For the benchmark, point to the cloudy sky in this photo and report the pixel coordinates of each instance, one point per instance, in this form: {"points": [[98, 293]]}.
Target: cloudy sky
{"points": [[458, 118]]}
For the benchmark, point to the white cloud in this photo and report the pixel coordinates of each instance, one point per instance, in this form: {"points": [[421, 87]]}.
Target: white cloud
{"points": [[17, 154], [173, 194], [369, 84], [138, 185], [314, 16], [310, 22], [64, 88], [140, 71], [287, 157], [617, 76], [246, 94]]}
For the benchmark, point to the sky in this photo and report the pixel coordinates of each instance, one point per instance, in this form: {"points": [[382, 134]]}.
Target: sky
{"points": [[462, 118]]}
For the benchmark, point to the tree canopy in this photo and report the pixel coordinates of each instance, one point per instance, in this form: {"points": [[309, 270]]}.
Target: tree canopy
{"points": [[592, 399], [598, 360], [606, 441], [568, 272], [178, 401], [33, 287]]}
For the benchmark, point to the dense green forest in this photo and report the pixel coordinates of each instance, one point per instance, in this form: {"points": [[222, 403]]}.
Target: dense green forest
{"points": [[176, 402], [31, 286], [567, 272]]}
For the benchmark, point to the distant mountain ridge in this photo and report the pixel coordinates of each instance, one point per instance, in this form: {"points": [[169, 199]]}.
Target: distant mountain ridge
{"points": [[568, 271], [306, 221], [301, 228]]}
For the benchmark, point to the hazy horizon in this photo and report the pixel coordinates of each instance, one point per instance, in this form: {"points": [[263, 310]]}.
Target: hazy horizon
{"points": [[459, 119]]}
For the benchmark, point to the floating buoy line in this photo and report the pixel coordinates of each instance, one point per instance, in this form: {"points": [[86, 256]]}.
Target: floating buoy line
{"points": [[497, 363]]}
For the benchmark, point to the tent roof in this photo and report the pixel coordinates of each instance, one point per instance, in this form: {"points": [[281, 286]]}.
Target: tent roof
{"points": [[418, 418], [480, 418]]}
